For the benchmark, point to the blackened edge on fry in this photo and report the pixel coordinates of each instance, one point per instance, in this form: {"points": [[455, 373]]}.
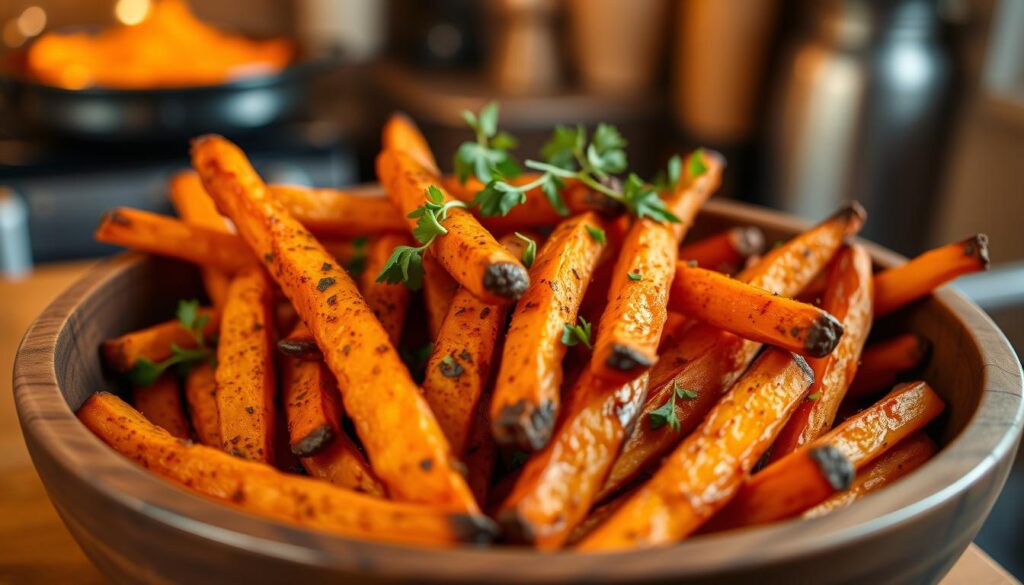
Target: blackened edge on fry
{"points": [[823, 336], [804, 366], [303, 349], [524, 425], [506, 280], [625, 359], [473, 528], [314, 442], [835, 467], [514, 528], [978, 246]]}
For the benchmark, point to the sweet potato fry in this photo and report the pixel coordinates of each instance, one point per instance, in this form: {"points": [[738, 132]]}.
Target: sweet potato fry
{"points": [[481, 453], [405, 445], [337, 213], [812, 475], [245, 369], [401, 134], [753, 313], [558, 484], [197, 208], [468, 252], [438, 292], [902, 285], [201, 396], [856, 443], [299, 344], [260, 489], [631, 325], [848, 297], [708, 360], [882, 362], [312, 406], [166, 236], [527, 388], [389, 302], [154, 343], [161, 404], [725, 251], [703, 473], [342, 464], [905, 457]]}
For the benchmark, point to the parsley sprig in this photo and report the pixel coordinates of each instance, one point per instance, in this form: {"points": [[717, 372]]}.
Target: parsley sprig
{"points": [[145, 371], [666, 413], [489, 154], [530, 252], [406, 262], [577, 334]]}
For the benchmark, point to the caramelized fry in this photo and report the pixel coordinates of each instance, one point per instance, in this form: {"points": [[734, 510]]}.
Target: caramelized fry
{"points": [[703, 473], [882, 362], [724, 251], [754, 313], [245, 369], [389, 302], [312, 406], [154, 343], [631, 325], [902, 285], [400, 133], [262, 490], [166, 236], [201, 396], [300, 344], [337, 213], [161, 404], [197, 208], [342, 464], [438, 293]]}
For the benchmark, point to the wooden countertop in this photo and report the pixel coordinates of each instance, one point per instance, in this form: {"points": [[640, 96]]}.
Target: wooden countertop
{"points": [[34, 545]]}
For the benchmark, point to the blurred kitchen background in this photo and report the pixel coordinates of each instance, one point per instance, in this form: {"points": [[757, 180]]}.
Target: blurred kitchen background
{"points": [[913, 107]]}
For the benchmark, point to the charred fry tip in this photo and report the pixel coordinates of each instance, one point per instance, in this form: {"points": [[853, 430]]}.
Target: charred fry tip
{"points": [[748, 240], [474, 528], [854, 213], [315, 442], [514, 528], [506, 279], [804, 366], [823, 336], [524, 425], [300, 348], [977, 246], [835, 467], [625, 359], [114, 216]]}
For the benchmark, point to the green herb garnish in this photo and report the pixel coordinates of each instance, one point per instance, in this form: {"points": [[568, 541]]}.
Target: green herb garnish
{"points": [[488, 155], [145, 371], [530, 253], [634, 276], [814, 396], [597, 234], [666, 413], [576, 334], [406, 262]]}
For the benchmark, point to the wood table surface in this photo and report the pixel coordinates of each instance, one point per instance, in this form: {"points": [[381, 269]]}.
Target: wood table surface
{"points": [[34, 545]]}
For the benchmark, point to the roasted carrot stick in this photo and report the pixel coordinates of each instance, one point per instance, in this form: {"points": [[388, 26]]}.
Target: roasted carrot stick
{"points": [[558, 485], [389, 302], [401, 134], [405, 445], [201, 396], [312, 406], [754, 313], [812, 476], [467, 251], [526, 391], [631, 325], [342, 464], [154, 343], [848, 297], [882, 362], [703, 473], [438, 292], [708, 360], [905, 457], [197, 208], [299, 344], [724, 251], [337, 213], [262, 490], [245, 369], [166, 236], [902, 285], [859, 440], [161, 404]]}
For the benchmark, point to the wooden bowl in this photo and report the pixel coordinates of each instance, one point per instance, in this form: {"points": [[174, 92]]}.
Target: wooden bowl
{"points": [[137, 527]]}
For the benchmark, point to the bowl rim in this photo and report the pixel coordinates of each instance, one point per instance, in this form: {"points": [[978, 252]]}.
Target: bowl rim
{"points": [[990, 436]]}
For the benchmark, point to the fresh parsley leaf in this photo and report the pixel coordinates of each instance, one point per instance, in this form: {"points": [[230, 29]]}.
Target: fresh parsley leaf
{"points": [[666, 413], [406, 262], [814, 396], [488, 155], [597, 234], [434, 195], [605, 154], [144, 372], [404, 265], [360, 247], [488, 119], [530, 253], [498, 198], [504, 141], [552, 187], [634, 276], [576, 334], [186, 313], [695, 166], [561, 150], [675, 170], [643, 201], [683, 393]]}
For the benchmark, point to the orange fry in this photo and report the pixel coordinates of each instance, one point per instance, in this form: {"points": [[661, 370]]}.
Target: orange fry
{"points": [[902, 285], [400, 133], [338, 213], [161, 404], [312, 406], [342, 464], [438, 292], [154, 343], [201, 396], [197, 208], [724, 251], [389, 302], [882, 362]]}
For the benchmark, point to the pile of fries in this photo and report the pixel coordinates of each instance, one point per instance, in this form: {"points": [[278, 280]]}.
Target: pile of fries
{"points": [[567, 373]]}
